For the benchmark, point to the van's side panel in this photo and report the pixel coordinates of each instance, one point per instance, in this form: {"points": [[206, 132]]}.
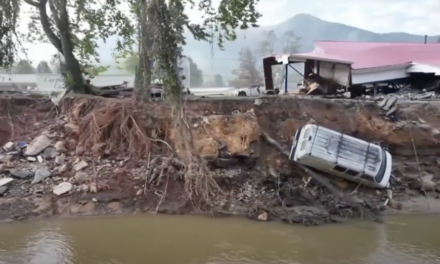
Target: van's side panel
{"points": [[316, 163]]}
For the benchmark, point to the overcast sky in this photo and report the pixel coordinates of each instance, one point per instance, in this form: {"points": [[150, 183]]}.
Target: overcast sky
{"points": [[411, 16], [382, 16]]}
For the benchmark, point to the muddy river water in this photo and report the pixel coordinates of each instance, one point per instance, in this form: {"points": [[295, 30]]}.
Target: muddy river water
{"points": [[196, 240]]}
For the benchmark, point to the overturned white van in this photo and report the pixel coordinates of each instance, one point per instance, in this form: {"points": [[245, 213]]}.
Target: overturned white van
{"points": [[342, 155]]}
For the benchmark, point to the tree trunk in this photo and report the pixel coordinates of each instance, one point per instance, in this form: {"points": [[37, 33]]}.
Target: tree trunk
{"points": [[75, 80], [143, 78], [45, 24], [144, 70], [63, 43]]}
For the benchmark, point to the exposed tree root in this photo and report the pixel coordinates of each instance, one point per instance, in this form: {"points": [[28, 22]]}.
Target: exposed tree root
{"points": [[116, 126], [200, 184]]}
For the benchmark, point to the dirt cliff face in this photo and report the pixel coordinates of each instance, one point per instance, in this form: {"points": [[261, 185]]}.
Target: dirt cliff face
{"points": [[282, 116], [252, 177]]}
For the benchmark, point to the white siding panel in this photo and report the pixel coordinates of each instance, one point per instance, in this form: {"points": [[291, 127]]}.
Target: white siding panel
{"points": [[359, 77], [422, 68], [335, 71]]}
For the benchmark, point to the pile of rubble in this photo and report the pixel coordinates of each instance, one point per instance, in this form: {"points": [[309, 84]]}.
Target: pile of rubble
{"points": [[47, 166], [35, 162], [408, 93]]}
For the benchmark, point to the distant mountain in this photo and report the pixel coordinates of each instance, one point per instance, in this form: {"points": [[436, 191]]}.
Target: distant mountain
{"points": [[309, 28]]}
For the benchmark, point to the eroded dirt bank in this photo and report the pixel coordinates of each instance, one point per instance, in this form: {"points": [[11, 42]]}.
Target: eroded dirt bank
{"points": [[99, 147]]}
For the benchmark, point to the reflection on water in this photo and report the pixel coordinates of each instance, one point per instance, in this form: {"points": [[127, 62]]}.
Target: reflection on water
{"points": [[40, 244], [198, 240]]}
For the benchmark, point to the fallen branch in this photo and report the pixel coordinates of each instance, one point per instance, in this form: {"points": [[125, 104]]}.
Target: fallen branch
{"points": [[323, 181]]}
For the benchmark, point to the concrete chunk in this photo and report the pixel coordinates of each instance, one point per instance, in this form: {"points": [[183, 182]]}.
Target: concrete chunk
{"points": [[37, 146], [80, 165], [5, 181], [62, 188]]}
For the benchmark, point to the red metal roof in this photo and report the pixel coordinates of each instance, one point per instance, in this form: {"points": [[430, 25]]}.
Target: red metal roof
{"points": [[373, 54], [322, 56]]}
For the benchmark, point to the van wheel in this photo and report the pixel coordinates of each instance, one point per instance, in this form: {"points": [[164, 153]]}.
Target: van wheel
{"points": [[242, 93]]}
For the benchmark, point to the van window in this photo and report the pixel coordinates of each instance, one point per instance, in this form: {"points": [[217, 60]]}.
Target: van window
{"points": [[352, 172], [339, 168], [381, 173], [303, 145], [366, 177], [306, 133], [298, 132]]}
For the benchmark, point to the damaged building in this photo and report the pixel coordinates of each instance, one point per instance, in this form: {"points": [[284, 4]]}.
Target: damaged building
{"points": [[361, 67]]}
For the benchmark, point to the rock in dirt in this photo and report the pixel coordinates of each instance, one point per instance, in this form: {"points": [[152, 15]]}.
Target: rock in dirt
{"points": [[62, 188], [428, 183], [424, 126], [50, 153], [3, 190], [21, 174], [341, 184], [37, 145], [73, 128], [80, 165], [63, 168], [71, 143], [263, 217], [49, 134], [401, 124], [79, 151], [93, 187], [5, 181], [60, 159], [60, 146], [8, 146], [395, 205], [81, 177], [7, 158], [415, 184], [41, 174], [226, 163]]}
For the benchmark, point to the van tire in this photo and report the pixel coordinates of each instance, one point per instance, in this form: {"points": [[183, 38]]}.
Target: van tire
{"points": [[242, 93]]}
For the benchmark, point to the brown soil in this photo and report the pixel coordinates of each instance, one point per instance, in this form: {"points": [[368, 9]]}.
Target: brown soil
{"points": [[254, 179]]}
